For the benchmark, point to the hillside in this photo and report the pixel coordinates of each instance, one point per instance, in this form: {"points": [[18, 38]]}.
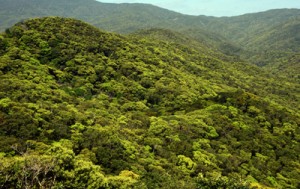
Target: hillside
{"points": [[287, 67], [266, 39], [122, 18], [242, 28], [83, 108], [267, 36], [206, 43]]}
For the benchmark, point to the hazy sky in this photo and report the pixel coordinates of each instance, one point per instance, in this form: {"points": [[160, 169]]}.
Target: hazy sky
{"points": [[216, 7]]}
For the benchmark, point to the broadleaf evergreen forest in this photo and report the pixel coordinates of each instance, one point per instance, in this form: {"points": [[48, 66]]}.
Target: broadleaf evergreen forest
{"points": [[92, 99]]}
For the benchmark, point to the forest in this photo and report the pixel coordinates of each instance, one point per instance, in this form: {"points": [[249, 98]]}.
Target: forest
{"points": [[107, 96], [269, 39], [85, 108]]}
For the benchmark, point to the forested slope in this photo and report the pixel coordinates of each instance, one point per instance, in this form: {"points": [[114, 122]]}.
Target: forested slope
{"points": [[268, 36], [204, 44], [268, 39], [83, 108], [124, 18]]}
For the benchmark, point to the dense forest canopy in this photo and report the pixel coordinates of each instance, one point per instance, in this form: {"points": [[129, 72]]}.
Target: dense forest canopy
{"points": [[268, 39], [85, 108]]}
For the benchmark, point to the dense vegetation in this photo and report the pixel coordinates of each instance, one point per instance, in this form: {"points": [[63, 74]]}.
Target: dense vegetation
{"points": [[83, 108], [269, 39]]}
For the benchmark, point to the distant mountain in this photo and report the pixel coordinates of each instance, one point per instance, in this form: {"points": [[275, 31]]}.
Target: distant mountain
{"points": [[242, 28], [278, 43], [260, 38], [121, 18], [205, 43], [84, 108], [113, 17], [267, 36], [126, 18], [284, 37]]}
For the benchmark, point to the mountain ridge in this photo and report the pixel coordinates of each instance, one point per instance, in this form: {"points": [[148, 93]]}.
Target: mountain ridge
{"points": [[233, 36]]}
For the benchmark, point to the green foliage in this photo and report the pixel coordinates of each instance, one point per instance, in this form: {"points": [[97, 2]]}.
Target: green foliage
{"points": [[261, 38], [223, 182], [83, 108]]}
